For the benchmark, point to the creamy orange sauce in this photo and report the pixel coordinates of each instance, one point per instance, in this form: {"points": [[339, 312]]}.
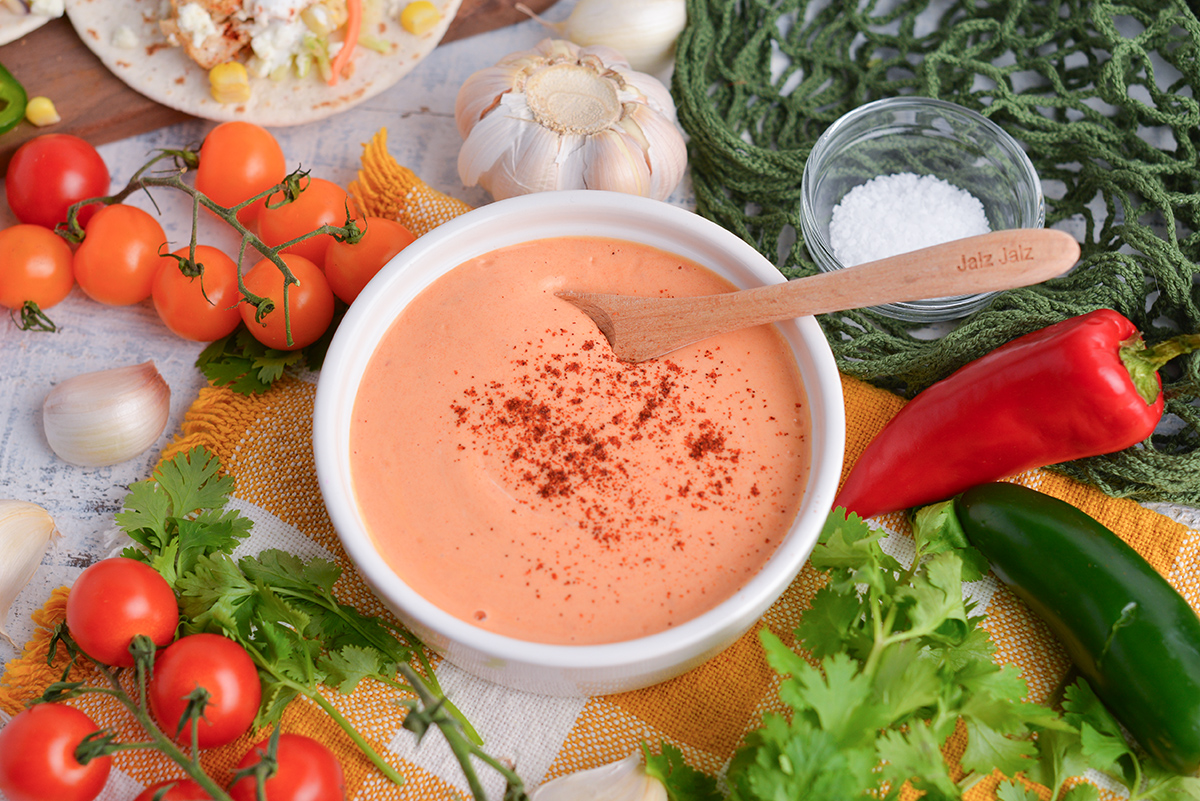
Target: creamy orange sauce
{"points": [[517, 475]]}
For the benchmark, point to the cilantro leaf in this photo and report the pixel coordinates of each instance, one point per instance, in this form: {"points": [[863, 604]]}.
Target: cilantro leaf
{"points": [[344, 669], [284, 570], [914, 756], [194, 482], [216, 597], [178, 514], [796, 760], [243, 364], [1015, 791], [682, 781]]}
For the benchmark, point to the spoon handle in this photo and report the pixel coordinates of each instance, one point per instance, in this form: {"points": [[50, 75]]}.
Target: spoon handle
{"points": [[986, 263]]}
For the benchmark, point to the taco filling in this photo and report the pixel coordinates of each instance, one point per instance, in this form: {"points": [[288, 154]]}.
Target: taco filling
{"points": [[274, 38]]}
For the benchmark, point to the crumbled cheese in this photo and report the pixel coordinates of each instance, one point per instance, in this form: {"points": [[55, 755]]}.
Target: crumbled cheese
{"points": [[47, 8], [196, 22], [286, 10], [124, 38], [276, 43]]}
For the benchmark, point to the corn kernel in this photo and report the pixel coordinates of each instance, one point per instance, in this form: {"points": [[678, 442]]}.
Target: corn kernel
{"points": [[325, 17], [229, 82], [419, 17], [40, 111]]}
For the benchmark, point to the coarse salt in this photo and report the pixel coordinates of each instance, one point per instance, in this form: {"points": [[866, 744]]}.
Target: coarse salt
{"points": [[898, 213]]}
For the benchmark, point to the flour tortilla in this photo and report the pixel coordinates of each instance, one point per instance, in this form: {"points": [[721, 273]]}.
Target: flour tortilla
{"points": [[166, 75], [14, 26]]}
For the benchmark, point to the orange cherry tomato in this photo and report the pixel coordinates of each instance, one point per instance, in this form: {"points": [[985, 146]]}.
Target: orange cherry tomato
{"points": [[35, 266], [349, 267], [238, 160], [201, 307], [320, 202], [119, 257], [309, 303]]}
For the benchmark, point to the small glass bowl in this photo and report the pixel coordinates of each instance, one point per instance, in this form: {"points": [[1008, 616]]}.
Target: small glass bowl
{"points": [[922, 136]]}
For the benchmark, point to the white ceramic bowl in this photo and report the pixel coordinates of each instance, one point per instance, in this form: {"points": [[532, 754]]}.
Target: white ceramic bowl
{"points": [[565, 669]]}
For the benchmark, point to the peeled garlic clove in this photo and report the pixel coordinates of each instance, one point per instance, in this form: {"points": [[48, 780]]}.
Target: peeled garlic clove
{"points": [[26, 530], [103, 418], [626, 780]]}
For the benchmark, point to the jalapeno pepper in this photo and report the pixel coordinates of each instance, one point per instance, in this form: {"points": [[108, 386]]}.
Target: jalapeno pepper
{"points": [[1082, 387], [12, 100], [1131, 635]]}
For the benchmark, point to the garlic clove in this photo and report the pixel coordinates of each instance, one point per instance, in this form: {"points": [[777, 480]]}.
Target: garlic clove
{"points": [[480, 94], [666, 150], [106, 417], [617, 162], [625, 780], [643, 31], [26, 530]]}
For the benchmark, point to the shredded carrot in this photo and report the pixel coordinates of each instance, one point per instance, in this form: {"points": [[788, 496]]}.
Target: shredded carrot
{"points": [[354, 14]]}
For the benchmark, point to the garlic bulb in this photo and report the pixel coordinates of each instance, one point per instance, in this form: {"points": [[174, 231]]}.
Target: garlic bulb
{"points": [[626, 780], [26, 529], [102, 418], [565, 117], [643, 31]]}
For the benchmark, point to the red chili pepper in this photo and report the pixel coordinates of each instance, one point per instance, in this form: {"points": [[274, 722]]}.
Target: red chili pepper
{"points": [[1082, 387]]}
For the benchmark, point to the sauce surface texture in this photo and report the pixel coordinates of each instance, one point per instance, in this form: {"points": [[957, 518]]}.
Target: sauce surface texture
{"points": [[516, 474]]}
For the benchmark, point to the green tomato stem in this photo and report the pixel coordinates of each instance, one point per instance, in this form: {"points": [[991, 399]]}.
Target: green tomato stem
{"points": [[160, 741]]}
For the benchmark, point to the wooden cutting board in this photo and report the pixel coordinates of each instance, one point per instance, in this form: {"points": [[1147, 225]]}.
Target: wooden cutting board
{"points": [[99, 107]]}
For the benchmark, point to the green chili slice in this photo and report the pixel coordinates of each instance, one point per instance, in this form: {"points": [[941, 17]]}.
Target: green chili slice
{"points": [[12, 100]]}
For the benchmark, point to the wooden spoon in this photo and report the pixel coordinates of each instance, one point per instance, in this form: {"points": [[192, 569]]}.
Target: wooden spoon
{"points": [[640, 328]]}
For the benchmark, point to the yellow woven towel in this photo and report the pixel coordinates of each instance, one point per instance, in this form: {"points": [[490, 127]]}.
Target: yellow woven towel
{"points": [[384, 188], [265, 444]]}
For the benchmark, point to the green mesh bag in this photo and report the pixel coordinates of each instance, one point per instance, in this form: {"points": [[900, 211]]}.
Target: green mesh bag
{"points": [[1085, 87]]}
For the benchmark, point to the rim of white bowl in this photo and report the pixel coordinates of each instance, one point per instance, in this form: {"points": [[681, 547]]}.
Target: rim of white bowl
{"points": [[348, 355]]}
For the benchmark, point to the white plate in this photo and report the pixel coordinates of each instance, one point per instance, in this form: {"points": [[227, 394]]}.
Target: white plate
{"points": [[166, 75]]}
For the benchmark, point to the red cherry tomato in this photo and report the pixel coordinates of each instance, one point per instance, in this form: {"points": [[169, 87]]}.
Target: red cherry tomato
{"points": [[349, 267], [220, 666], [37, 756], [51, 172], [181, 790], [238, 160], [320, 203], [119, 257], [201, 308], [115, 600], [35, 265], [308, 771], [310, 303]]}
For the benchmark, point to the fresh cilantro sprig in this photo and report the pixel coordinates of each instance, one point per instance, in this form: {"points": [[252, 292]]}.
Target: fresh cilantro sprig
{"points": [[282, 610], [179, 515], [245, 365], [248, 367], [895, 661]]}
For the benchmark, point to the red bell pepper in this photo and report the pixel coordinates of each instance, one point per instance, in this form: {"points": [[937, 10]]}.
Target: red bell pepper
{"points": [[1082, 387]]}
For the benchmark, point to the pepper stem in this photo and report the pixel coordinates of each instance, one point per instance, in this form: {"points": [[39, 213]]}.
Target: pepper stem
{"points": [[1143, 363]]}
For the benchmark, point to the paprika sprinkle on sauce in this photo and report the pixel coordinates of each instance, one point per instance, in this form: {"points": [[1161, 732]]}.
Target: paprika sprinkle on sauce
{"points": [[516, 474]]}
